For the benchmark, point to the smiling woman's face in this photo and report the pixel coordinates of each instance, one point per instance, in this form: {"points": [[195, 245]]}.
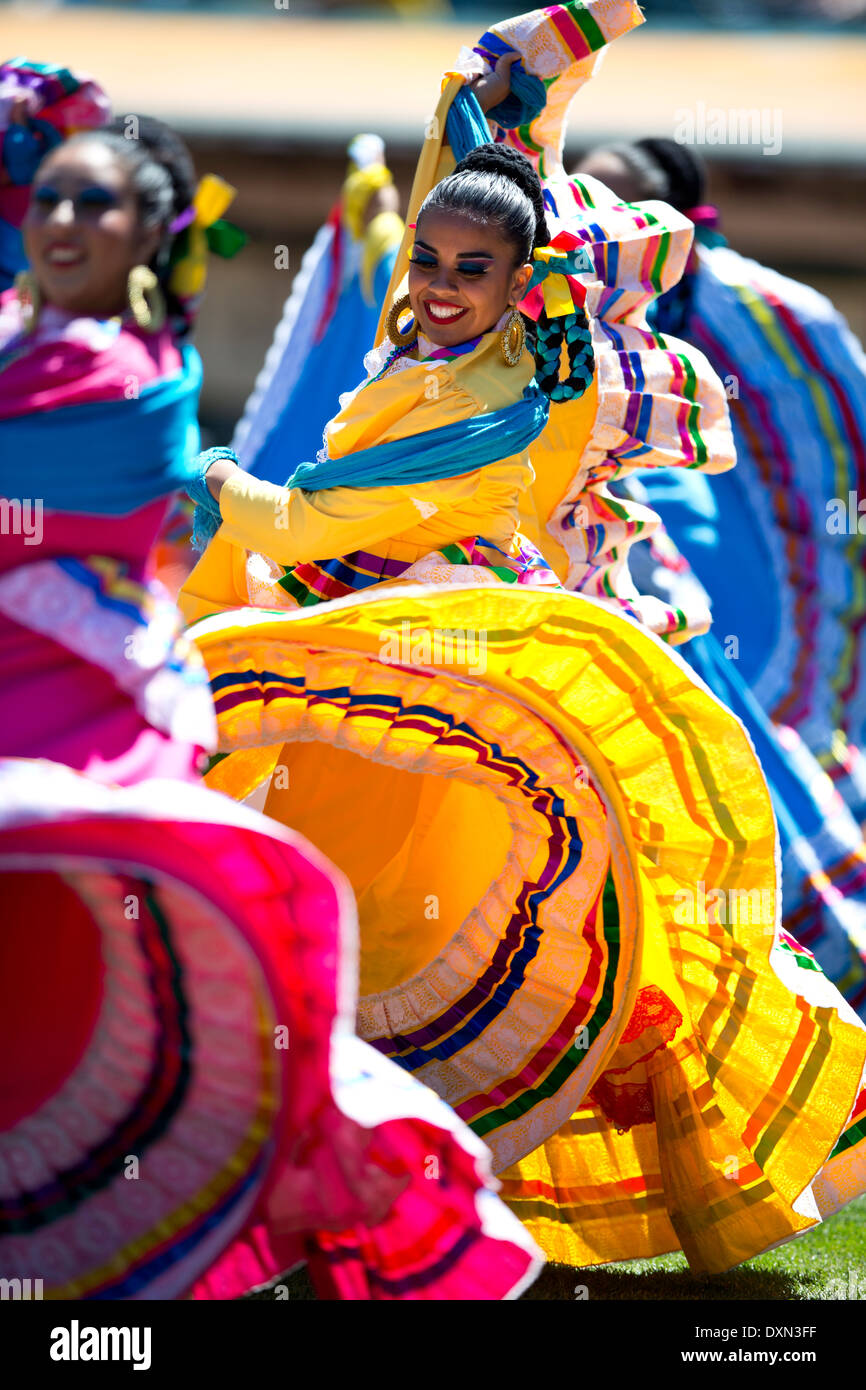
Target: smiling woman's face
{"points": [[462, 277], [82, 233]]}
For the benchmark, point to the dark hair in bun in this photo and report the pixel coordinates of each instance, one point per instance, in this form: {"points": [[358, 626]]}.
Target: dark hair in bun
{"points": [[497, 184], [665, 170], [684, 172]]}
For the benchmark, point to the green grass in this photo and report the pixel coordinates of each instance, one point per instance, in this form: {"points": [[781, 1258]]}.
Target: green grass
{"points": [[805, 1268]]}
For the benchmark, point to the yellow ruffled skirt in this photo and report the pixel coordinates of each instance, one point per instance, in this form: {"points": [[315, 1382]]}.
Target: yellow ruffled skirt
{"points": [[554, 832]]}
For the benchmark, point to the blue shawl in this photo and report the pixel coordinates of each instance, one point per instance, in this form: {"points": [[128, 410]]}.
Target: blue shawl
{"points": [[107, 458]]}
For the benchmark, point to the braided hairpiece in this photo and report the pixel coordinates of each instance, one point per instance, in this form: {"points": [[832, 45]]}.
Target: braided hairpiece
{"points": [[571, 330], [477, 186]]}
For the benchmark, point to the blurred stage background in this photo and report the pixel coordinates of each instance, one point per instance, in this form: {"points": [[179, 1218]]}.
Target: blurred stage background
{"points": [[269, 92]]}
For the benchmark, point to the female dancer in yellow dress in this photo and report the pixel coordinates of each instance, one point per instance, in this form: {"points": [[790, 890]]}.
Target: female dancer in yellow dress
{"points": [[562, 845]]}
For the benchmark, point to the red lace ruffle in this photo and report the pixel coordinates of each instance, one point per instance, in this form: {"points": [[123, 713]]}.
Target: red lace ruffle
{"points": [[626, 1100]]}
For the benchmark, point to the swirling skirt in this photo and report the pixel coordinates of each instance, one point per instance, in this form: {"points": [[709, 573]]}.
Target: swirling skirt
{"points": [[565, 860]]}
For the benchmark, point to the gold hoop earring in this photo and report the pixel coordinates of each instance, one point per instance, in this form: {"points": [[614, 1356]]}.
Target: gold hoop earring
{"points": [[513, 339], [30, 298], [400, 337], [146, 299]]}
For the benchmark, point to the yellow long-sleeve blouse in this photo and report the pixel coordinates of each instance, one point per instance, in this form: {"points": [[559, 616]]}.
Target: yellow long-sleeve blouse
{"points": [[291, 526]]}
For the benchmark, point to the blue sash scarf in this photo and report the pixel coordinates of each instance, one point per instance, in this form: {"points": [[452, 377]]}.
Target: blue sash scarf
{"points": [[441, 453], [107, 458], [465, 125], [427, 457]]}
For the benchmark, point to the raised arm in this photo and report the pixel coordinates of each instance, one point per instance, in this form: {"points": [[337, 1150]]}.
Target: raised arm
{"points": [[555, 50]]}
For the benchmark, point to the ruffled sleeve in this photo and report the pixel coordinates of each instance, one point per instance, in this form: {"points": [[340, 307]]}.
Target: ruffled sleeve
{"points": [[561, 46], [660, 404]]}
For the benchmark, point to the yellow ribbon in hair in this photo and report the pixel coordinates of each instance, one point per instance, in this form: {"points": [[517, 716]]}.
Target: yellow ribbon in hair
{"points": [[212, 198], [554, 286], [384, 233], [358, 189]]}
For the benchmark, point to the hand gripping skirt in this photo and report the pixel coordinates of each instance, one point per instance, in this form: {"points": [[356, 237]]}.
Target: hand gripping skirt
{"points": [[566, 866], [182, 1105]]}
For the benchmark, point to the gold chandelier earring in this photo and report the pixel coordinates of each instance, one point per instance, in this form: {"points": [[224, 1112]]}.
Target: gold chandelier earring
{"points": [[29, 297], [400, 337], [513, 338], [146, 299]]}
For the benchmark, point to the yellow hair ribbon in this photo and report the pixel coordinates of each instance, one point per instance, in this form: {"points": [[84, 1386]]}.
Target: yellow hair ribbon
{"points": [[554, 287], [384, 233], [557, 296], [358, 189], [212, 198]]}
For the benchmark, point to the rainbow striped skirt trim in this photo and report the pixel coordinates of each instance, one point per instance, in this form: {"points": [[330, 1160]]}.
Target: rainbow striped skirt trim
{"points": [[473, 560]]}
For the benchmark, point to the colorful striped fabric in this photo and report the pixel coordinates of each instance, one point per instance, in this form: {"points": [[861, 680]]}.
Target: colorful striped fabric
{"points": [[560, 45], [523, 564], [658, 404], [713, 1163], [318, 582], [766, 529], [823, 851], [312, 583], [172, 1061], [444, 354], [788, 517], [128, 629]]}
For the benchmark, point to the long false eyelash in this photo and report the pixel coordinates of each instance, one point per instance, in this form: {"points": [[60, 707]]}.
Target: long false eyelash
{"points": [[89, 198], [474, 271], [97, 197]]}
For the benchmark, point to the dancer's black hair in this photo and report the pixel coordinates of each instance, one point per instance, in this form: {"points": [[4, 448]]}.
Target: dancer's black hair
{"points": [[664, 170], [495, 183], [684, 172], [163, 178]]}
